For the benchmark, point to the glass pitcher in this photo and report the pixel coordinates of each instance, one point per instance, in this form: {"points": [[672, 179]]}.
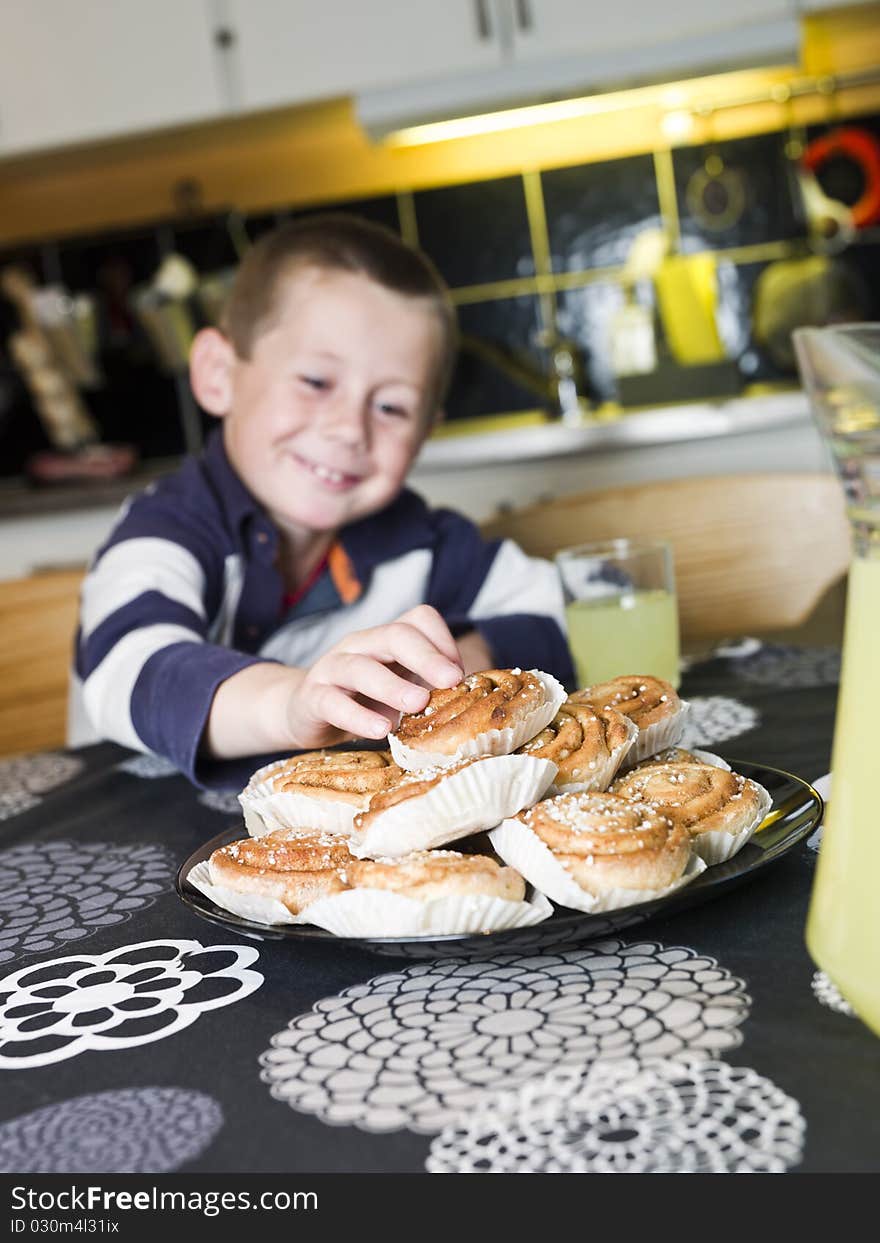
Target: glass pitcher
{"points": [[840, 368]]}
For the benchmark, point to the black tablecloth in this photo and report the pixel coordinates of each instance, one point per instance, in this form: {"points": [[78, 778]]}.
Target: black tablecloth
{"points": [[135, 1036]]}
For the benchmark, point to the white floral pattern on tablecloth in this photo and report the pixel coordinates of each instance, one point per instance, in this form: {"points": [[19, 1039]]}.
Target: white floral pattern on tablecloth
{"points": [[683, 1115], [61, 891], [411, 1049], [789, 666], [148, 766], [738, 649], [133, 1131], [714, 718], [24, 778], [221, 800], [827, 992], [130, 996]]}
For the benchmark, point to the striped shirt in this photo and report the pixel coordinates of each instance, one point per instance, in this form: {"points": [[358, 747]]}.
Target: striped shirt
{"points": [[186, 592]]}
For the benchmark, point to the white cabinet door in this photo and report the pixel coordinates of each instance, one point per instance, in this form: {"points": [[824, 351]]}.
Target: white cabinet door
{"points": [[816, 6], [545, 28], [287, 51], [77, 70]]}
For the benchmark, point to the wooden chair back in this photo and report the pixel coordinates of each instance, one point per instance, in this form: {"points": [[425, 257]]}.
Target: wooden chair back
{"points": [[38, 618], [752, 553]]}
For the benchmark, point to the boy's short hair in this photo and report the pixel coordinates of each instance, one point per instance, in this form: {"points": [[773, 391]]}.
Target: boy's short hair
{"points": [[336, 241]]}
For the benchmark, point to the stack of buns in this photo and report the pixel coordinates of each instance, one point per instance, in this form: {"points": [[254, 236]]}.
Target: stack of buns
{"points": [[586, 801]]}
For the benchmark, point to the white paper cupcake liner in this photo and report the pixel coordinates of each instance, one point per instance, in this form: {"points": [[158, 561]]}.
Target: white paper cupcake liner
{"points": [[266, 809], [375, 913], [254, 906], [474, 798], [659, 736], [718, 846], [492, 742], [522, 849], [604, 773]]}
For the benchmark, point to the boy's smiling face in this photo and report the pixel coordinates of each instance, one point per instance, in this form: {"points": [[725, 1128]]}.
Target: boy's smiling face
{"points": [[324, 419]]}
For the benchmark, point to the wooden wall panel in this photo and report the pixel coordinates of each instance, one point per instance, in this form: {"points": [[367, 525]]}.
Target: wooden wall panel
{"points": [[37, 625]]}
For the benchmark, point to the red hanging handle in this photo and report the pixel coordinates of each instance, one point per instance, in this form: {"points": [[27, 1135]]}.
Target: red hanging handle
{"points": [[860, 146]]}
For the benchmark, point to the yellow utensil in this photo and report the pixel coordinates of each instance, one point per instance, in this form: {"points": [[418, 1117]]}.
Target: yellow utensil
{"points": [[687, 295]]}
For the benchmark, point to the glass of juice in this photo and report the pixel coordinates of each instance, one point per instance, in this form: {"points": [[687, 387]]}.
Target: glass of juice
{"points": [[621, 609], [840, 369]]}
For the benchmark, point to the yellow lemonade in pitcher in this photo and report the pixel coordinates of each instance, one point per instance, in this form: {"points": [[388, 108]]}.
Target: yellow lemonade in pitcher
{"points": [[633, 632], [843, 928]]}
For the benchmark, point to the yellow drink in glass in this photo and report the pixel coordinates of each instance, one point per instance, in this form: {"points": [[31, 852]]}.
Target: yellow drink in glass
{"points": [[635, 632], [840, 367], [843, 927], [621, 609]]}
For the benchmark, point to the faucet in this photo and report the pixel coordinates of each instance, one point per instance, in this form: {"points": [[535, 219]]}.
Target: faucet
{"points": [[560, 388]]}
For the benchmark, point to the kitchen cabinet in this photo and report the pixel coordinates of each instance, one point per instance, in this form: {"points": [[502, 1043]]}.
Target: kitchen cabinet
{"points": [[547, 49], [543, 28], [289, 51], [816, 6], [92, 69]]}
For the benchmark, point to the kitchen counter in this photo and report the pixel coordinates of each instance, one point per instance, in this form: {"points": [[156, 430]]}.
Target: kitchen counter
{"points": [[654, 426], [479, 474]]}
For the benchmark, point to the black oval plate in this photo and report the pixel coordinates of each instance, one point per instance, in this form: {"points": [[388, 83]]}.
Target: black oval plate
{"points": [[796, 811]]}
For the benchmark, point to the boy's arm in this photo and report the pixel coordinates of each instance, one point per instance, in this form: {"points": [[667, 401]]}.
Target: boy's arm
{"points": [[512, 602], [147, 672], [355, 690]]}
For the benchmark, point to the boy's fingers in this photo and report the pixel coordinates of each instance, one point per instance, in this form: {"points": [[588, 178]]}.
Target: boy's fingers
{"points": [[433, 627], [401, 644], [374, 680], [337, 708]]}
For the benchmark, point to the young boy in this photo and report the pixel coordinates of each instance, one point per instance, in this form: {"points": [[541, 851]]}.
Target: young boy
{"points": [[284, 591]]}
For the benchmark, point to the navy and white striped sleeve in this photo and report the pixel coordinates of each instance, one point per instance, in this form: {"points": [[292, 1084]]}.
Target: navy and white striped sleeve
{"points": [[513, 600], [146, 671]]}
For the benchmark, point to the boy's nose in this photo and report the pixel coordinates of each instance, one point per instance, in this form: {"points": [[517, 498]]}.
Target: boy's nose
{"points": [[348, 422]]}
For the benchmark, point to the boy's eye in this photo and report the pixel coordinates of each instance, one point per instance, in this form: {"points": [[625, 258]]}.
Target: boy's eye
{"points": [[387, 407], [313, 381]]}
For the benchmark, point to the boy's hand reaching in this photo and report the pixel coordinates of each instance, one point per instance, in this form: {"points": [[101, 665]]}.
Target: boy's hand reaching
{"points": [[360, 686], [356, 690]]}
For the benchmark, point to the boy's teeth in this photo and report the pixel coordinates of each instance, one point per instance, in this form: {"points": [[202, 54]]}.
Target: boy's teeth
{"points": [[333, 476]]}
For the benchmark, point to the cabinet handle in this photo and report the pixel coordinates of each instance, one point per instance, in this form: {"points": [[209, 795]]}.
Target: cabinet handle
{"points": [[224, 37], [484, 23], [524, 18]]}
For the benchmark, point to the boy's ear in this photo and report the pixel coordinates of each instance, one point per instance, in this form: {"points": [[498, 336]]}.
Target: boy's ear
{"points": [[211, 360]]}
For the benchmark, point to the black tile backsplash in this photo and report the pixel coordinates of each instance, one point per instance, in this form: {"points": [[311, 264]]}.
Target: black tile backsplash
{"points": [[501, 366], [585, 316], [595, 211], [262, 223], [476, 233], [381, 210], [211, 246], [737, 193], [118, 261], [729, 194]]}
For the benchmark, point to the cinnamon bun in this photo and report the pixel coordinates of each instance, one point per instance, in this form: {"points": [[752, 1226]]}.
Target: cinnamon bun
{"points": [[720, 809], [654, 706], [489, 713], [432, 806], [293, 868], [586, 744], [677, 755], [430, 874], [595, 850], [320, 789]]}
